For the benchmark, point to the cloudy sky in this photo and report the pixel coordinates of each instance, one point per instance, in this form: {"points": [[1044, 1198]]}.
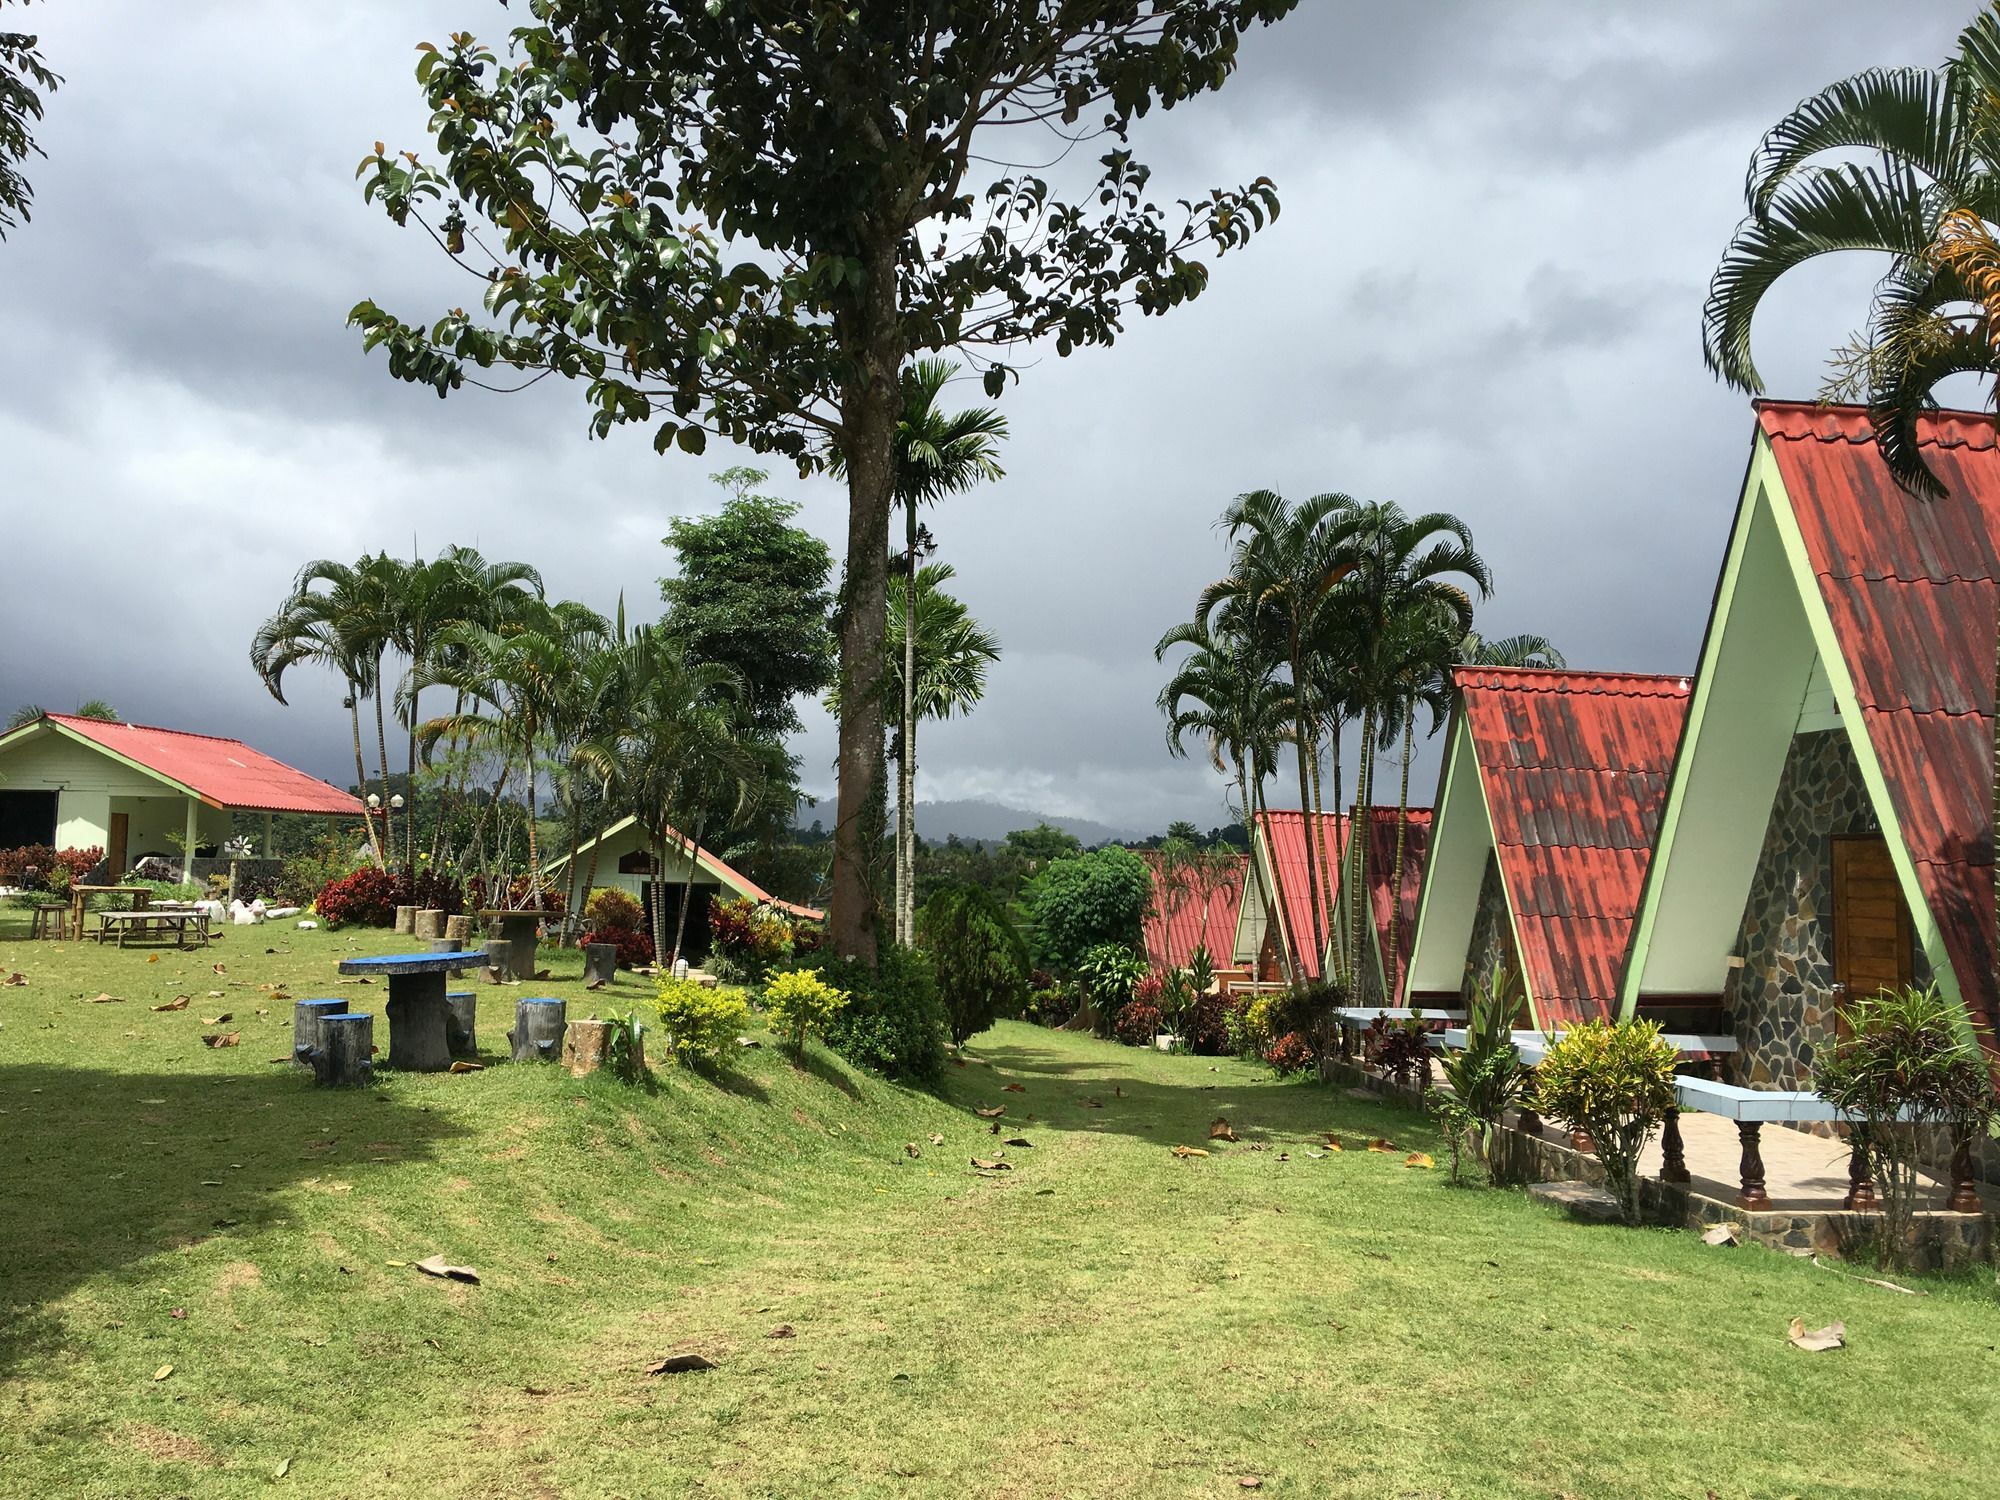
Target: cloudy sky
{"points": [[1483, 296]]}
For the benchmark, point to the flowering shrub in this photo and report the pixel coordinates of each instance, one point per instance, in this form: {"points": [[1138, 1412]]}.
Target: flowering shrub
{"points": [[635, 949], [699, 1022], [54, 869], [367, 898], [1290, 1053], [799, 1001], [1137, 1024], [754, 939], [1204, 1026], [612, 910]]}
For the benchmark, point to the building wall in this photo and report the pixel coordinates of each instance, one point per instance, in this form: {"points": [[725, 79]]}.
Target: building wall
{"points": [[1780, 1001], [85, 779], [1492, 933]]}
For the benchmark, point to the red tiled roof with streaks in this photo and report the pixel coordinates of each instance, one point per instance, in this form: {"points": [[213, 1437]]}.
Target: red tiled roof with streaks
{"points": [[1285, 836], [1574, 766], [227, 773], [1382, 876], [1180, 921], [1912, 587]]}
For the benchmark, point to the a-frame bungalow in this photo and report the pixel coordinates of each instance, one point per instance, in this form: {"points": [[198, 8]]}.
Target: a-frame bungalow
{"points": [[1547, 803], [1828, 829]]}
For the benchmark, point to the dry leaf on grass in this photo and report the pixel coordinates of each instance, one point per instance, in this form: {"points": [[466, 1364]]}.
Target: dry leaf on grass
{"points": [[1091, 1103], [220, 968], [435, 1266], [1381, 1144], [152, 958], [990, 1114], [179, 1002], [1220, 1131], [1817, 1340], [163, 1372], [782, 1331], [1015, 1088], [284, 1468], [1020, 1140], [595, 984], [14, 979], [100, 998], [222, 1020], [1250, 1482], [1887, 1286], [1419, 1159], [222, 1039], [990, 1164], [910, 1150], [461, 1065], [1722, 1234], [1187, 1151], [543, 973], [679, 1364], [936, 1139]]}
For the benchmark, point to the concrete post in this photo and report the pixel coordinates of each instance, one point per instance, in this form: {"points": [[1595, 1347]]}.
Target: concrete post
{"points": [[193, 833], [270, 843]]}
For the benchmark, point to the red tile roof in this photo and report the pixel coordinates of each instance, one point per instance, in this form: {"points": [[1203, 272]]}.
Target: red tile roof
{"points": [[224, 773], [1180, 921], [1574, 766], [1285, 836], [1382, 876], [1912, 587]]}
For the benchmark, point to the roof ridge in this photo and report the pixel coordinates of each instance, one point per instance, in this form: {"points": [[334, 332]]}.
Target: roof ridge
{"points": [[1524, 677], [189, 734]]}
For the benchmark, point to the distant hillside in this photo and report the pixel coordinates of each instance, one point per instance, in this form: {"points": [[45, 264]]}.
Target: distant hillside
{"points": [[991, 822]]}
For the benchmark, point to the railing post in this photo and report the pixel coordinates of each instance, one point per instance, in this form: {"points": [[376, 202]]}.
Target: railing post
{"points": [[1673, 1163], [1752, 1196], [1964, 1192], [1860, 1181]]}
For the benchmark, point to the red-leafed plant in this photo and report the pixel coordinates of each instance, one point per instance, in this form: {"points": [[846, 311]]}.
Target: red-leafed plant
{"points": [[1290, 1053], [635, 948], [1137, 1023], [367, 898]]}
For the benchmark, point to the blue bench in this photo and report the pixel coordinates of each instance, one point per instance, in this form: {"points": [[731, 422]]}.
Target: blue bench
{"points": [[417, 1009]]}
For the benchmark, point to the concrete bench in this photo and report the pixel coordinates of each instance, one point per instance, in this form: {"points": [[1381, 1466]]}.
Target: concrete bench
{"points": [[418, 1010]]}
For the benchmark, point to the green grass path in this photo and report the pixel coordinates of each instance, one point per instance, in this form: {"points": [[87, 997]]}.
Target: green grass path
{"points": [[1105, 1319]]}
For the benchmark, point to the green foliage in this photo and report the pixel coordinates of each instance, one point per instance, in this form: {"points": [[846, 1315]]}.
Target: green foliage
{"points": [[612, 910], [1615, 1081], [797, 1003], [1907, 1073], [1043, 843], [979, 959], [24, 78], [750, 592], [894, 1022], [1484, 1078], [700, 1021], [625, 1051], [1084, 901], [1110, 973]]}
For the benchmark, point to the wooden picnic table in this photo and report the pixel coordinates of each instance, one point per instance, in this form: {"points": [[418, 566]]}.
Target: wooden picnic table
{"points": [[79, 901], [181, 921], [417, 1009], [522, 930]]}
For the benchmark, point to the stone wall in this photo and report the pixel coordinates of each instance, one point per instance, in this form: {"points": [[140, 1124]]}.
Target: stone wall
{"points": [[1492, 933], [1780, 1002]]}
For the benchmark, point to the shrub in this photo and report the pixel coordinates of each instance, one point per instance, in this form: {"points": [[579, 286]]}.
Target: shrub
{"points": [[367, 898], [699, 1021], [1485, 1077], [1289, 1054], [754, 939], [38, 867], [979, 960], [612, 910], [1086, 901], [1050, 1005], [1204, 1026], [894, 1022], [625, 1050], [635, 949], [797, 1002], [1257, 1032], [1401, 1049], [329, 857], [1615, 1082], [1904, 1072], [1137, 1023]]}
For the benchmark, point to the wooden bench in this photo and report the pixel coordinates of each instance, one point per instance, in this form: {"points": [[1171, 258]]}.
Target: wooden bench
{"points": [[418, 1011], [181, 924]]}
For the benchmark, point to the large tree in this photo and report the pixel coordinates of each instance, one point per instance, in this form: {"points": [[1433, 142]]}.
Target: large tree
{"points": [[745, 217], [24, 78]]}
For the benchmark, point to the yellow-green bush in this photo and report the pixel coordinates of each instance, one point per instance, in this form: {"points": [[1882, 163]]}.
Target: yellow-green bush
{"points": [[699, 1022], [798, 1002]]}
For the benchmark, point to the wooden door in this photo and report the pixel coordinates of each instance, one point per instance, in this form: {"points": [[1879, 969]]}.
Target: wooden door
{"points": [[120, 836], [1871, 928]]}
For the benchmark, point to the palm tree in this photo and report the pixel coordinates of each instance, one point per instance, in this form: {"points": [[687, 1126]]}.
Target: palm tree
{"points": [[1510, 651], [1926, 195], [27, 713], [97, 708], [938, 453]]}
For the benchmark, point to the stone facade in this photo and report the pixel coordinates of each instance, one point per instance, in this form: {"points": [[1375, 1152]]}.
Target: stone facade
{"points": [[1780, 1002], [1492, 942]]}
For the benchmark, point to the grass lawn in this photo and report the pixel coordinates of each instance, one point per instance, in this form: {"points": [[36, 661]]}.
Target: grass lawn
{"points": [[1105, 1319]]}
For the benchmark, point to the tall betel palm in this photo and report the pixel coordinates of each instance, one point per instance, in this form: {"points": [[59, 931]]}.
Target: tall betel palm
{"points": [[1927, 197], [938, 453]]}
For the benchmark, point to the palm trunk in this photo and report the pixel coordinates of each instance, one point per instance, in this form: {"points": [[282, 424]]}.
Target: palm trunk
{"points": [[1302, 743], [687, 887], [1357, 838], [590, 875], [1317, 822], [534, 845], [1392, 963], [1339, 731], [1270, 897], [906, 815], [657, 907], [361, 772], [382, 759], [410, 780], [572, 904], [479, 827]]}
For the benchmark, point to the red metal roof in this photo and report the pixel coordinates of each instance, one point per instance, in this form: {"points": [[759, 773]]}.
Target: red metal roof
{"points": [[1382, 876], [1574, 766], [1285, 836], [1180, 921], [225, 773], [1913, 587]]}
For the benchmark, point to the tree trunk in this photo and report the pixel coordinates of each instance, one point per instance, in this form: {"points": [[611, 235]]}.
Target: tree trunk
{"points": [[1302, 744], [534, 847], [1270, 897], [382, 760], [906, 822], [1339, 732], [410, 779], [1392, 965], [870, 404], [361, 772], [1357, 836], [657, 915], [1325, 897], [590, 876], [572, 922], [687, 888], [538, 1030], [479, 824]]}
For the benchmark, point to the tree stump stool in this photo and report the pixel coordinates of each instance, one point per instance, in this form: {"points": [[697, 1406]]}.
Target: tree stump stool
{"points": [[430, 923], [538, 1030], [344, 1057], [461, 1011], [587, 1045], [446, 945], [600, 963], [417, 1023], [306, 1018], [498, 961], [459, 930], [406, 919]]}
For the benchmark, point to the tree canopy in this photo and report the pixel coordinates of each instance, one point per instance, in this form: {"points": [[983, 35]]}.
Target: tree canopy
{"points": [[24, 78]]}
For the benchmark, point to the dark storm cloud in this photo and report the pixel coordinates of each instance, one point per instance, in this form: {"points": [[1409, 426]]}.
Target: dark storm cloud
{"points": [[1483, 296]]}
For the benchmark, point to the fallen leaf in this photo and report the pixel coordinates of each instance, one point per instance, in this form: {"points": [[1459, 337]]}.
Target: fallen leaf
{"points": [[462, 1066], [1015, 1088], [1220, 1131], [535, 1390], [222, 1039], [936, 1139], [994, 1128], [220, 968], [543, 973], [1380, 1144], [163, 1372], [595, 984], [1287, 1156], [1817, 1340], [215, 994], [1020, 1140], [1419, 1159], [435, 1266], [680, 1364], [179, 1002], [1091, 1103], [284, 1468], [178, 1314], [14, 979], [986, 1164], [100, 998], [1186, 1151], [782, 1331], [990, 1114], [152, 958], [222, 1020], [1250, 1483], [748, 1041], [910, 1150], [1333, 1143], [1721, 1234]]}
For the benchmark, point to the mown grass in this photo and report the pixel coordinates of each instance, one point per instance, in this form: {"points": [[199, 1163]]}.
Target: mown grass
{"points": [[1104, 1319]]}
